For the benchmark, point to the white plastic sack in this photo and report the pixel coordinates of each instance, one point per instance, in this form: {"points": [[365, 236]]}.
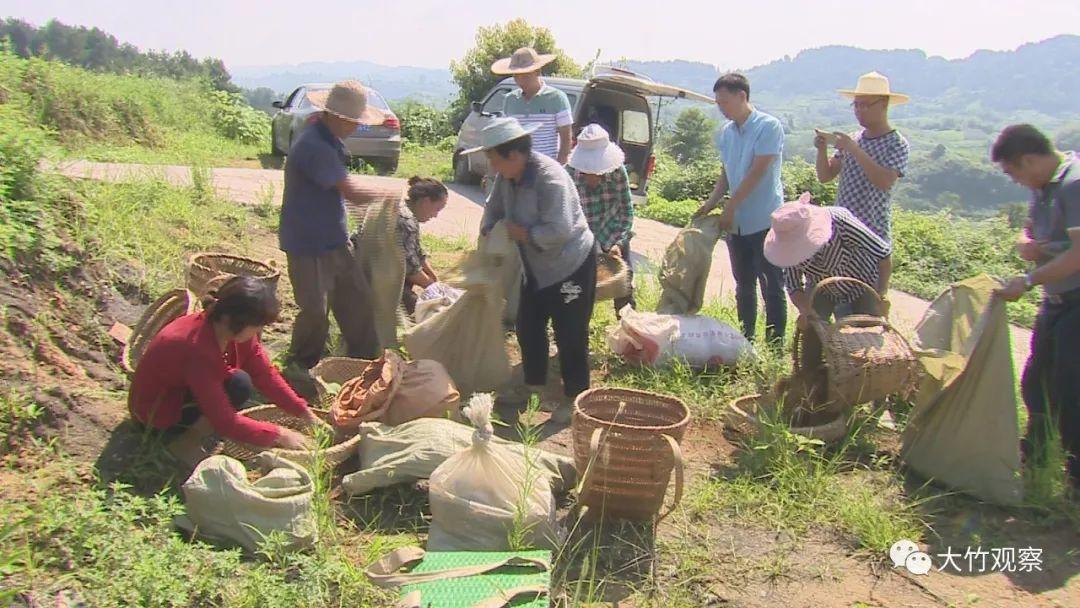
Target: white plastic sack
{"points": [[654, 339], [478, 493], [467, 337], [435, 297], [223, 504], [390, 455]]}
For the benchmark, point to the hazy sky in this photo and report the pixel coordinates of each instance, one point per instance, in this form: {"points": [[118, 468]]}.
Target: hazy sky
{"points": [[429, 33]]}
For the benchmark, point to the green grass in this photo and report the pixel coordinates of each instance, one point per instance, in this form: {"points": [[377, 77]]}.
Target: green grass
{"points": [[148, 228], [109, 117], [425, 161]]}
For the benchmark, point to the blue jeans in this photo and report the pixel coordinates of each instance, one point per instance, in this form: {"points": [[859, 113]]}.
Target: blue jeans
{"points": [[750, 268]]}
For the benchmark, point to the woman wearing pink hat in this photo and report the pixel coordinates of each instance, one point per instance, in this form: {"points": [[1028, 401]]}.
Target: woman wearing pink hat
{"points": [[812, 243]]}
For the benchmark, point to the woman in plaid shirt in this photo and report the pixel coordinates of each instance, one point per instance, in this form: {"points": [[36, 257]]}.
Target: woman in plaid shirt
{"points": [[604, 187]]}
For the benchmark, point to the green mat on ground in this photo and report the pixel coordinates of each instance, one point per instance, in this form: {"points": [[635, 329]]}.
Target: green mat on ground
{"points": [[466, 592]]}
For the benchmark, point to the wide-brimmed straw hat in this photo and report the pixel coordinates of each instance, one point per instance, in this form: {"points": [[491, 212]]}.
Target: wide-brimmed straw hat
{"points": [[348, 100], [876, 85], [799, 230], [523, 61], [595, 153], [500, 131]]}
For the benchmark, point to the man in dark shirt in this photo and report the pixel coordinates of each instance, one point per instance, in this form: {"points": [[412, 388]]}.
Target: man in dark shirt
{"points": [[314, 234], [1050, 384]]}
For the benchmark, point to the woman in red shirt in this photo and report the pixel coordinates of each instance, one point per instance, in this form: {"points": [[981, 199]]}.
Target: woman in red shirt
{"points": [[207, 364]]}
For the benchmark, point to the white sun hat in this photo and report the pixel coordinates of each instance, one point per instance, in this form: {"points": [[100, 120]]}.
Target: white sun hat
{"points": [[877, 85], [595, 153], [500, 131]]}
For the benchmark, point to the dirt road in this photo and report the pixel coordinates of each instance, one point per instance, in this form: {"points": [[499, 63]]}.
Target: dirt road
{"points": [[462, 218]]}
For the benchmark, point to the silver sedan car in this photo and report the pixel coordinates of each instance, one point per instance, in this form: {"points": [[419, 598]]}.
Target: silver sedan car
{"points": [[378, 146]]}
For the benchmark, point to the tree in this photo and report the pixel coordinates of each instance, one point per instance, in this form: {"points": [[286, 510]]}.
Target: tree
{"points": [[473, 72], [691, 138], [799, 176]]}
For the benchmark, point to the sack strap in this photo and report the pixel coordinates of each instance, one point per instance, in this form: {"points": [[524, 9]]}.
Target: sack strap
{"points": [[385, 572], [503, 599]]}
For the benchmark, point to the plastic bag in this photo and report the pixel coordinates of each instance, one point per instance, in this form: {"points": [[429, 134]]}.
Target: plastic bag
{"points": [[223, 504], [468, 336], [654, 339], [390, 455], [685, 270], [487, 492], [434, 298], [394, 391]]}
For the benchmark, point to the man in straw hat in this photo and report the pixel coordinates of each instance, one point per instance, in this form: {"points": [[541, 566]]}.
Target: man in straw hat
{"points": [[313, 231], [536, 103], [751, 146], [539, 204], [812, 243], [868, 162], [1050, 383], [596, 166]]}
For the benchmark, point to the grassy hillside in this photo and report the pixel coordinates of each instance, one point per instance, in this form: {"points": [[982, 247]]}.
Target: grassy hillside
{"points": [[110, 117]]}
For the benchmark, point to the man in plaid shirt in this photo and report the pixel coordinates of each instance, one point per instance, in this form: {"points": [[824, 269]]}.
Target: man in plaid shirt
{"points": [[596, 166]]}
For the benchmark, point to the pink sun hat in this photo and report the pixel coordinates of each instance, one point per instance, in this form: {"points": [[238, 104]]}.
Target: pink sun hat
{"points": [[799, 230]]}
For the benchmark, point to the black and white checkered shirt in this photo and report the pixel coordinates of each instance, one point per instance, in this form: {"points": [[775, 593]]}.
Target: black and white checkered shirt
{"points": [[853, 251], [858, 194]]}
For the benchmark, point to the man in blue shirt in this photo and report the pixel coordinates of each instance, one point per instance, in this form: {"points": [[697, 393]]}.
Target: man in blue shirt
{"points": [[751, 146], [313, 231]]}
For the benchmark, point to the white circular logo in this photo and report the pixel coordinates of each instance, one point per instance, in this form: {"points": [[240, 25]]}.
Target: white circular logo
{"points": [[900, 551], [918, 563]]}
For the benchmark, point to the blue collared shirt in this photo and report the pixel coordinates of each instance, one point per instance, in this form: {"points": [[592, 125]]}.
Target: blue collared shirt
{"points": [[760, 135], [312, 209]]}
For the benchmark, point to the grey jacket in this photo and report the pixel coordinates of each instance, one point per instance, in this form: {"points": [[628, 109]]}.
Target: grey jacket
{"points": [[546, 202]]}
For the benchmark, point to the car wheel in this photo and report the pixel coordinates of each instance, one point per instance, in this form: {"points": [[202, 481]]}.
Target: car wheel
{"points": [[462, 174]]}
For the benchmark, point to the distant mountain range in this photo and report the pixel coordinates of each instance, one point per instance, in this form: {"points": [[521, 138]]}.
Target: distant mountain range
{"points": [[394, 82], [1038, 77]]}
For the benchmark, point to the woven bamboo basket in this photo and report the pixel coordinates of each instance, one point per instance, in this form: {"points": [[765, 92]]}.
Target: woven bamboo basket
{"points": [[208, 271], [744, 417], [863, 357], [626, 446], [336, 370], [343, 447], [166, 309], [612, 277]]}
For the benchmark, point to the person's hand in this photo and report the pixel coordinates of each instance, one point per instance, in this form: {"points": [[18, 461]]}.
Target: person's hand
{"points": [[292, 440], [845, 143], [727, 219], [517, 232], [803, 321], [1028, 249], [885, 307], [311, 417], [1013, 290], [615, 251], [820, 143], [703, 210]]}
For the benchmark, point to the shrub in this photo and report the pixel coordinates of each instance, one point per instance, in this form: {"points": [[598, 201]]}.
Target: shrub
{"points": [[691, 138], [674, 213], [422, 124], [675, 181], [237, 120]]}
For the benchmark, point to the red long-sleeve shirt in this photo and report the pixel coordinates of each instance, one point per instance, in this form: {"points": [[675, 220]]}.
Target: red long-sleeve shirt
{"points": [[184, 361]]}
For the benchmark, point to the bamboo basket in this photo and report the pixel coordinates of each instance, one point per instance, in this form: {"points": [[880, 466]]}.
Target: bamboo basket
{"points": [[344, 444], [863, 357], [744, 417], [208, 271], [612, 277], [166, 309], [626, 446]]}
